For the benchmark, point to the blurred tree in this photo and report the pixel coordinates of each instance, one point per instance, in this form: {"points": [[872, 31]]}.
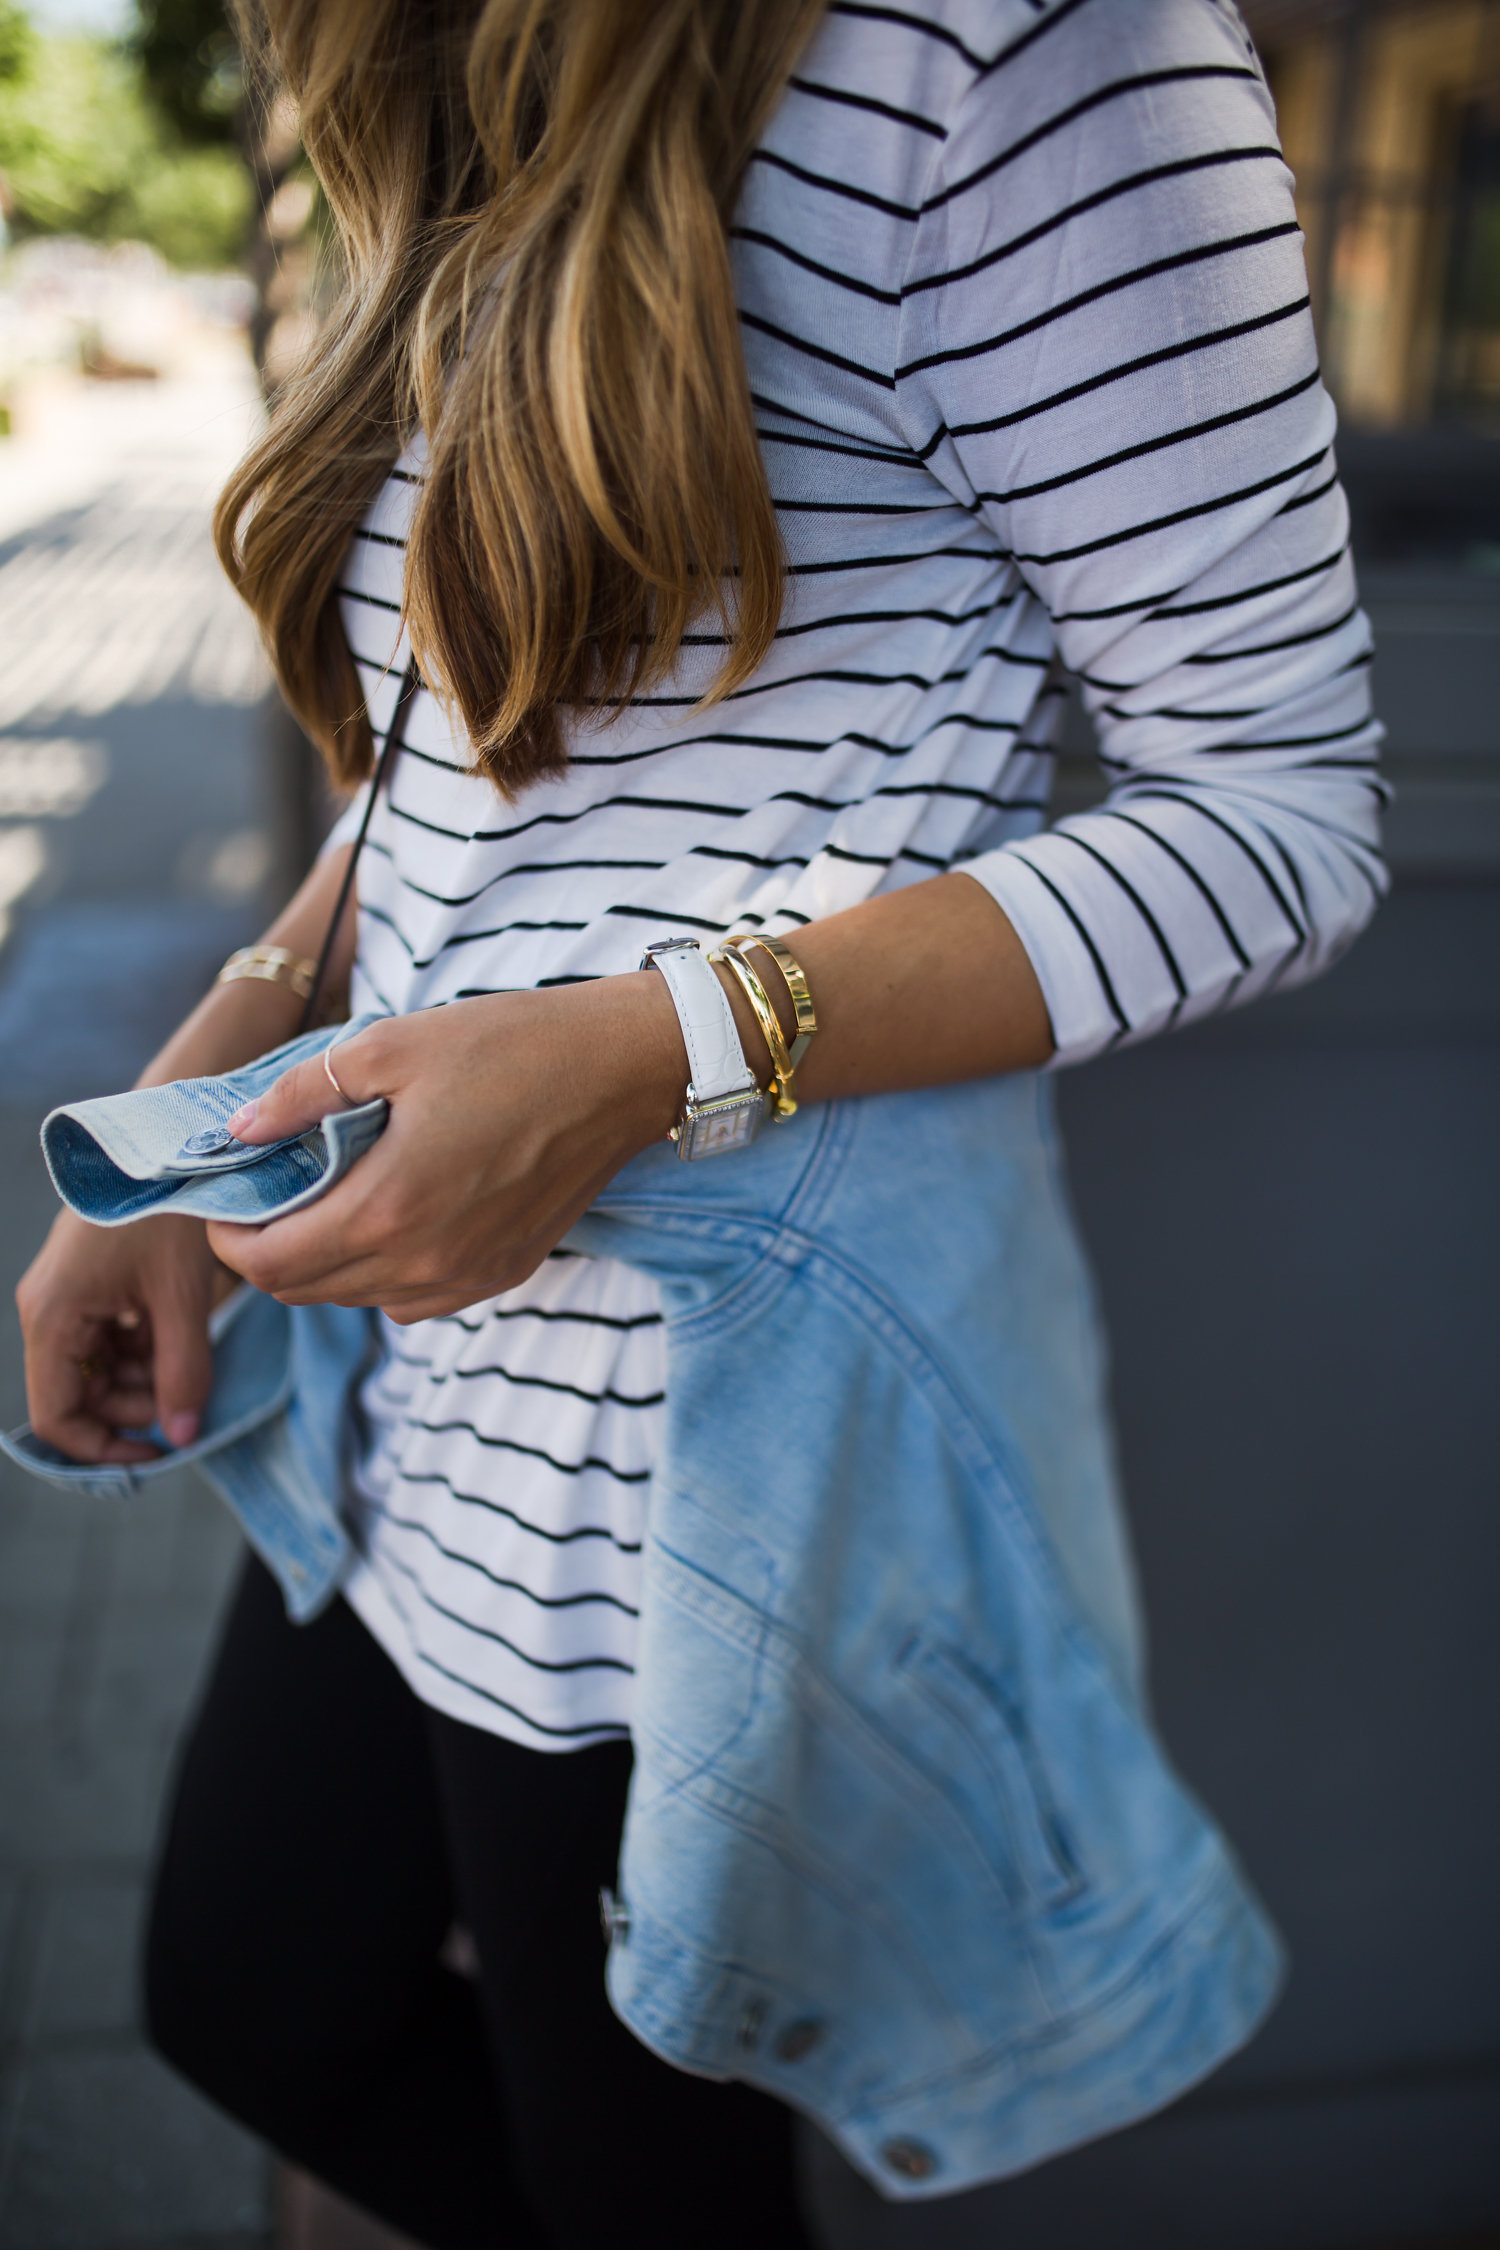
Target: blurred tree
{"points": [[191, 63], [84, 150], [16, 41]]}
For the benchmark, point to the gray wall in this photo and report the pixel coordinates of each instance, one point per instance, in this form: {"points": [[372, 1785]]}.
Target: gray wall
{"points": [[1295, 1218]]}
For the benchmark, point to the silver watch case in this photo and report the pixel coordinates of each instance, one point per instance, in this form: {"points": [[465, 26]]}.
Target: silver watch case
{"points": [[719, 1127]]}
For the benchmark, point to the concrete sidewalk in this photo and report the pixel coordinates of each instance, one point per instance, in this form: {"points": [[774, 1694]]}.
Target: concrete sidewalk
{"points": [[133, 834]]}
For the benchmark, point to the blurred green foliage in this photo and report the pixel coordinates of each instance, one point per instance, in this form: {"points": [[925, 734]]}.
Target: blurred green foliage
{"points": [[16, 41], [191, 62], [88, 146]]}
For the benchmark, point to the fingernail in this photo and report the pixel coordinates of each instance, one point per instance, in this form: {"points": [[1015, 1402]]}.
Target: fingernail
{"points": [[243, 1117], [181, 1429]]}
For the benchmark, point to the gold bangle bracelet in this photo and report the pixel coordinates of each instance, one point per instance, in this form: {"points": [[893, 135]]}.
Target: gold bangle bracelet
{"points": [[795, 979], [270, 964], [783, 1099]]}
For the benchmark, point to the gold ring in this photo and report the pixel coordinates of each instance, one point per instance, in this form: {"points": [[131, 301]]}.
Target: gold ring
{"points": [[333, 1082]]}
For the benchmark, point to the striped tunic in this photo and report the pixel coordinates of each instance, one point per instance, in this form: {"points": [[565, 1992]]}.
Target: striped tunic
{"points": [[1026, 322]]}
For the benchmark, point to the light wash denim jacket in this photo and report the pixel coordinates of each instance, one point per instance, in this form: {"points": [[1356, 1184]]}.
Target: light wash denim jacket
{"points": [[901, 1846]]}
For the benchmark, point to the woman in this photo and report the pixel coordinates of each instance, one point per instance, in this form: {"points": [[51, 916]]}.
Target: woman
{"points": [[735, 408]]}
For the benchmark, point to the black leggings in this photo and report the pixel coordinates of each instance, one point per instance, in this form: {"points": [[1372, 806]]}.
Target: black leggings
{"points": [[327, 1833]]}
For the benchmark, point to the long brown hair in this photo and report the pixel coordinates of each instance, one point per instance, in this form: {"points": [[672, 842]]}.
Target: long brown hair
{"points": [[530, 198]]}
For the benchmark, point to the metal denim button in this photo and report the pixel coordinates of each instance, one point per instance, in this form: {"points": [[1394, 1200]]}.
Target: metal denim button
{"points": [[751, 2023], [614, 1916], [914, 2160], [799, 2039], [206, 1143]]}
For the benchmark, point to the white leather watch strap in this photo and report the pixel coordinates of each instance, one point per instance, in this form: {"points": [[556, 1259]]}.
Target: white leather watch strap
{"points": [[716, 1060]]}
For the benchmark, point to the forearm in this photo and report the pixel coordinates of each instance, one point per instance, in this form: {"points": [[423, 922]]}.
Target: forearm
{"points": [[921, 987], [235, 1022]]}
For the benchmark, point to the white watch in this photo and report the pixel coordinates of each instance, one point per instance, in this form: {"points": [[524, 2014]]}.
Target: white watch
{"points": [[725, 1107]]}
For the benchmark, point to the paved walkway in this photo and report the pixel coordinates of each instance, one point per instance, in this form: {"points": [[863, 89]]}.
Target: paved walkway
{"points": [[132, 850]]}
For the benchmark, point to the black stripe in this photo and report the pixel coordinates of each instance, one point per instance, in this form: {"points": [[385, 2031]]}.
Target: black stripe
{"points": [[1245, 594], [600, 1733], [549, 1312], [1184, 436], [548, 1383], [666, 915], [829, 186], [501, 1640], [1292, 741], [506, 1585], [1166, 605], [1290, 640], [458, 937], [1141, 82], [1094, 954], [848, 100], [817, 351], [1185, 797], [1199, 254], [1028, 39], [967, 719], [985, 552], [746, 859], [941, 504], [565, 819], [893, 617], [845, 676], [1097, 681], [527, 867], [824, 273], [897, 458], [534, 1452], [1117, 374], [1306, 499], [1067, 835], [498, 1508], [1210, 897], [376, 601], [917, 24], [1127, 184], [1178, 515]]}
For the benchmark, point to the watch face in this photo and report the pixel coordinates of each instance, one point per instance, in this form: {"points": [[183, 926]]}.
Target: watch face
{"points": [[716, 1128]]}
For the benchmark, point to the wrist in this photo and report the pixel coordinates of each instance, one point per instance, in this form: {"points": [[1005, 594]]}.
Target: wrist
{"points": [[657, 1058], [231, 1025]]}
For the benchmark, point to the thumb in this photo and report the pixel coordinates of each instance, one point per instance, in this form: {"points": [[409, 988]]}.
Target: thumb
{"points": [[300, 1098], [182, 1363]]}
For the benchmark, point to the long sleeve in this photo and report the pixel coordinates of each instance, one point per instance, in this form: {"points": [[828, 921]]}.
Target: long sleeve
{"points": [[1107, 355]]}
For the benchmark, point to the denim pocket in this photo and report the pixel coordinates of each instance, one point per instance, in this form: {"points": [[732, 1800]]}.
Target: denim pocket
{"points": [[986, 1764]]}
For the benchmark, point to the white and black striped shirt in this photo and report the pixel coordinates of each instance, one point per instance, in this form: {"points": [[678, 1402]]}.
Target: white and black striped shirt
{"points": [[1026, 322]]}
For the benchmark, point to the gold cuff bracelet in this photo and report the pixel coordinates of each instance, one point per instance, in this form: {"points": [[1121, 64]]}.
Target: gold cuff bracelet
{"points": [[783, 1099], [270, 964]]}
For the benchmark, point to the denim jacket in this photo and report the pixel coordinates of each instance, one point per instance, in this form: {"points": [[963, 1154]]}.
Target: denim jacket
{"points": [[901, 1847]]}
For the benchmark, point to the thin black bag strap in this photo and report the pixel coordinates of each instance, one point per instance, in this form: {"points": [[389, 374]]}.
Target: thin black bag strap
{"points": [[411, 680]]}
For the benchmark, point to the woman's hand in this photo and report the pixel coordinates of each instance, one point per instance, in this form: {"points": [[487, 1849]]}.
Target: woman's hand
{"points": [[509, 1114], [115, 1321]]}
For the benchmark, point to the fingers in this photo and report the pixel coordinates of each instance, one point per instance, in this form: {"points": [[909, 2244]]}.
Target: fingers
{"points": [[76, 1401], [182, 1362], [302, 1097]]}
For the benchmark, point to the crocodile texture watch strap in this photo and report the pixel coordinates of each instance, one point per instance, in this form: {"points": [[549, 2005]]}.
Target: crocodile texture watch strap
{"points": [[716, 1060]]}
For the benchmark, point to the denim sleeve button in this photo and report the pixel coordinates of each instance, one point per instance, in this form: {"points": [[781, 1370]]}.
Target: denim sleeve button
{"points": [[206, 1143], [799, 2039], [914, 2160], [614, 1916], [751, 2024]]}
